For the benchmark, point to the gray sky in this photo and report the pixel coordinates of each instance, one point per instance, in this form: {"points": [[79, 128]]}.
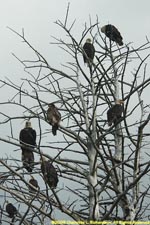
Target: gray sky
{"points": [[37, 17]]}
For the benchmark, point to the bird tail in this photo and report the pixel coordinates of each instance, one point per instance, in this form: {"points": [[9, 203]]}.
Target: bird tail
{"points": [[12, 221], [29, 167], [120, 42], [109, 123], [54, 129]]}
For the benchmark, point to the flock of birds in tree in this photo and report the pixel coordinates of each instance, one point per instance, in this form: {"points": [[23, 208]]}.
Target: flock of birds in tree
{"points": [[27, 139], [115, 112], [111, 32], [27, 135]]}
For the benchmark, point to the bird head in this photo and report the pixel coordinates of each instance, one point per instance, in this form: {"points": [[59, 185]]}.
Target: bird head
{"points": [[28, 124], [32, 177], [33, 181], [51, 105], [43, 159], [119, 102], [88, 40], [103, 29]]}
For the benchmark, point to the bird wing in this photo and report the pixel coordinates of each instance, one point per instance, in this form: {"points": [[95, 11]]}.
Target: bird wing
{"points": [[50, 115], [21, 135], [89, 50], [28, 156], [113, 33], [116, 32], [57, 115], [28, 135], [114, 112], [118, 110], [34, 136]]}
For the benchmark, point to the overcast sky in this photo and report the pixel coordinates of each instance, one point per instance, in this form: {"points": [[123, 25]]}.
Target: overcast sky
{"points": [[37, 17]]}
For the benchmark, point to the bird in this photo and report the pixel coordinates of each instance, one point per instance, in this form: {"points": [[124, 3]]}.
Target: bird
{"points": [[114, 113], [112, 33], [27, 139], [53, 117], [34, 183], [28, 159], [11, 210], [27, 136], [49, 173], [89, 51]]}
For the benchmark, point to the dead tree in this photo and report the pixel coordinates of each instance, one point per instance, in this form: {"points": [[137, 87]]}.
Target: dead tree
{"points": [[102, 170]]}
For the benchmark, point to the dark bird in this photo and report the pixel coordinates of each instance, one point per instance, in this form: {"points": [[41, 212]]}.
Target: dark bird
{"points": [[89, 51], [28, 160], [27, 139], [49, 173], [11, 210], [27, 136], [53, 117], [34, 183], [114, 113], [112, 33]]}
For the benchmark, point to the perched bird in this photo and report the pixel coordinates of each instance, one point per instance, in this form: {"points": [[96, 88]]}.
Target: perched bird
{"points": [[11, 210], [114, 113], [49, 172], [89, 51], [27, 136], [28, 159], [27, 139], [53, 117], [112, 33], [34, 183]]}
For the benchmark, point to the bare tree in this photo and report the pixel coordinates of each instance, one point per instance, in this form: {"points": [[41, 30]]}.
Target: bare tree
{"points": [[103, 171]]}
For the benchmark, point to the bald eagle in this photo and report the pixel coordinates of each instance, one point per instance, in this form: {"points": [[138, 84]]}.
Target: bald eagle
{"points": [[27, 140], [27, 136], [34, 183], [89, 51], [28, 159], [114, 113], [11, 210], [53, 117], [112, 33], [49, 172]]}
